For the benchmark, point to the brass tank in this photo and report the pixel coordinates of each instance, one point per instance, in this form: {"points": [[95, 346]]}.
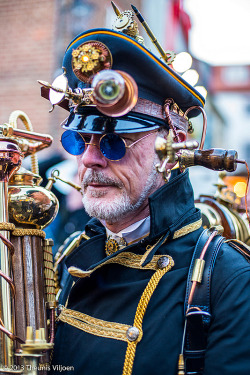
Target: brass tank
{"points": [[30, 205]]}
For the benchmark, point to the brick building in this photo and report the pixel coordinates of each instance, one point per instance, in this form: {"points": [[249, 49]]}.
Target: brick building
{"points": [[34, 35]]}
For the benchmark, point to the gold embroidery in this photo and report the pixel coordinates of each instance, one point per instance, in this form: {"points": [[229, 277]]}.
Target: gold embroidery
{"points": [[187, 229], [132, 260], [179, 233], [118, 331], [94, 326], [139, 315], [126, 259]]}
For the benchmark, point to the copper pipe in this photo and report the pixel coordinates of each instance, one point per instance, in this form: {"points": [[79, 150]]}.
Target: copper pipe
{"points": [[45, 138], [248, 175], [204, 129], [10, 334], [52, 326], [14, 116], [10, 282], [213, 234], [8, 244]]}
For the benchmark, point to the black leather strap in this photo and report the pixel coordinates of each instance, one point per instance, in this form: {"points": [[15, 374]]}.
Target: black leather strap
{"points": [[198, 314]]}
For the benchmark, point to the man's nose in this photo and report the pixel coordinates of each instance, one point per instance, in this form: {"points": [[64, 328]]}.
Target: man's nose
{"points": [[92, 156]]}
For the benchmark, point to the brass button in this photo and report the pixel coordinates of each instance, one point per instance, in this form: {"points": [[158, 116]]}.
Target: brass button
{"points": [[163, 262], [132, 333]]}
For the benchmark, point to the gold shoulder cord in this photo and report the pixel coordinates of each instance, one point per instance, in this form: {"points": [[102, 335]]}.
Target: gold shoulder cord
{"points": [[139, 315]]}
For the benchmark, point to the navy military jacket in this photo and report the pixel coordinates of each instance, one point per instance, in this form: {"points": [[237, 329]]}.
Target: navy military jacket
{"points": [[130, 288]]}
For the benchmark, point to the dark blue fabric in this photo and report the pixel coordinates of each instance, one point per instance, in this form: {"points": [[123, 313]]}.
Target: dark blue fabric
{"points": [[112, 293]]}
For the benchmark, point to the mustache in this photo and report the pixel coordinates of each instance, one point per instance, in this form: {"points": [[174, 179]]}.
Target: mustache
{"points": [[99, 178]]}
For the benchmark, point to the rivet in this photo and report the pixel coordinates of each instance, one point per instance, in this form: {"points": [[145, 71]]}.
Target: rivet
{"points": [[163, 262], [132, 333]]}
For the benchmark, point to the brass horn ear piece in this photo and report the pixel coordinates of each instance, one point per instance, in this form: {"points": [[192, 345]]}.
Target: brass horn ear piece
{"points": [[115, 92]]}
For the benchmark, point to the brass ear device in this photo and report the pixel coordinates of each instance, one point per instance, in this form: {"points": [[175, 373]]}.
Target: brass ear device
{"points": [[215, 159]]}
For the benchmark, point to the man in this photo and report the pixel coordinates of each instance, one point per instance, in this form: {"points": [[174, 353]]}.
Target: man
{"points": [[122, 301]]}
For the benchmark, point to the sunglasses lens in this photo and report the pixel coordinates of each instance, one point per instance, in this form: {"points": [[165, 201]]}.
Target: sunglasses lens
{"points": [[72, 142], [112, 146]]}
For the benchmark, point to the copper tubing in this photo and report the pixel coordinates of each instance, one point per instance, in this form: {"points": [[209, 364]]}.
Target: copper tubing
{"points": [[10, 335], [52, 326], [248, 174], [204, 130], [14, 116], [45, 140], [10, 282], [8, 244], [166, 106]]}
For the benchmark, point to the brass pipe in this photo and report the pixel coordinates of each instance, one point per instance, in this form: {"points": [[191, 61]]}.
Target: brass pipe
{"points": [[10, 160], [14, 116], [204, 129], [6, 308], [45, 138]]}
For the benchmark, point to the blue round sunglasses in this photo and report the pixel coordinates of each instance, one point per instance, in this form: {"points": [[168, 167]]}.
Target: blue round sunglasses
{"points": [[112, 146]]}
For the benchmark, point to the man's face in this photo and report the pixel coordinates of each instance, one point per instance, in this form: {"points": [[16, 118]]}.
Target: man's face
{"points": [[113, 190]]}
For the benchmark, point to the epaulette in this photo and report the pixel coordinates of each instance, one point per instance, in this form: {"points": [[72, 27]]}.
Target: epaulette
{"points": [[241, 247], [69, 245], [71, 242]]}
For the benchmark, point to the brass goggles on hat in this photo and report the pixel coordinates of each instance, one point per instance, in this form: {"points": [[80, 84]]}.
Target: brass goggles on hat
{"points": [[112, 146]]}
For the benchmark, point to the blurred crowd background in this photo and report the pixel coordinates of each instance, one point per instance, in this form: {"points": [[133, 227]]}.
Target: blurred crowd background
{"points": [[34, 35]]}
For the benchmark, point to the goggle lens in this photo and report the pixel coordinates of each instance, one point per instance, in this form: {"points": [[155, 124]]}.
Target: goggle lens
{"points": [[112, 146], [73, 142]]}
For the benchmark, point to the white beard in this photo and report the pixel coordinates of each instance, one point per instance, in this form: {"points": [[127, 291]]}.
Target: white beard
{"points": [[121, 205]]}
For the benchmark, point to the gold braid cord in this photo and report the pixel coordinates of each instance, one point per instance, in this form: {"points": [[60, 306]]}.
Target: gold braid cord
{"points": [[139, 315], [20, 231], [7, 226], [114, 330], [125, 259], [132, 260], [29, 232], [94, 326]]}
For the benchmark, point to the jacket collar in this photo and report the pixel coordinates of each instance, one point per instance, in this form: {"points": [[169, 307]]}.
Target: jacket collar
{"points": [[171, 208], [172, 205]]}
